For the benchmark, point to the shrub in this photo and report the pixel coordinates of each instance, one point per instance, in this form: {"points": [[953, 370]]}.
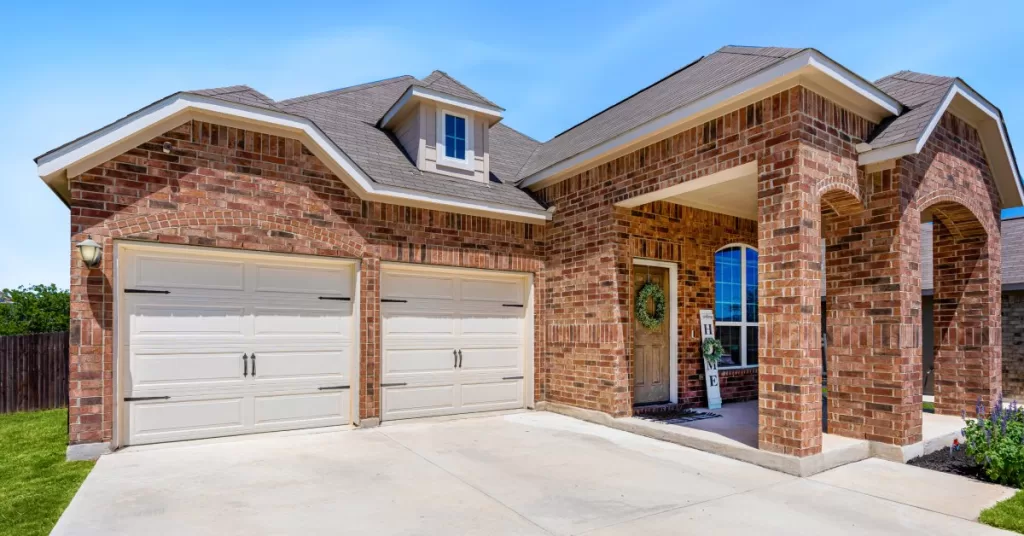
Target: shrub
{"points": [[996, 442]]}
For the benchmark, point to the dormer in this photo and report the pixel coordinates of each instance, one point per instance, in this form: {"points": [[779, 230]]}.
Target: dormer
{"points": [[444, 127]]}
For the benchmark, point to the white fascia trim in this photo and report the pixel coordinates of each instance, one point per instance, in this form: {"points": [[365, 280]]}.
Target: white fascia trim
{"points": [[495, 114], [915, 146], [808, 58], [59, 160]]}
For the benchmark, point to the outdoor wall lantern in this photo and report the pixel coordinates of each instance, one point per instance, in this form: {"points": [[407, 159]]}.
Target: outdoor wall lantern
{"points": [[91, 252]]}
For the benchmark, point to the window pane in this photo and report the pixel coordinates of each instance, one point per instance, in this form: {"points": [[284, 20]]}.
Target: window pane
{"points": [[751, 345], [460, 128], [460, 149], [751, 285], [449, 147], [728, 286], [730, 337], [449, 125]]}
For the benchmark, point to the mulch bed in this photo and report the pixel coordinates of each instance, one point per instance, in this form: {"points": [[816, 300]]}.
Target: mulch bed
{"points": [[676, 416], [955, 462]]}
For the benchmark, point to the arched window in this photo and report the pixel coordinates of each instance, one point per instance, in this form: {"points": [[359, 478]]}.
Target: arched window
{"points": [[736, 305]]}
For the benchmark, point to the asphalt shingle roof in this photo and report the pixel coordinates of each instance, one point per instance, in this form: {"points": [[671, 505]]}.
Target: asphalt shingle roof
{"points": [[711, 73], [349, 117], [921, 94], [239, 94]]}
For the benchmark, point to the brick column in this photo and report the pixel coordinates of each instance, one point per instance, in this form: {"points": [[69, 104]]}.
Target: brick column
{"points": [[369, 338], [968, 353], [874, 304], [789, 267]]}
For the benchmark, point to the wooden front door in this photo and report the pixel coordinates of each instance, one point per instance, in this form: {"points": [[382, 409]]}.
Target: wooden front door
{"points": [[650, 347]]}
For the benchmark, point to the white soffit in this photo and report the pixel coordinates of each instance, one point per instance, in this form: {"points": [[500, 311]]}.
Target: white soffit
{"points": [[732, 192], [86, 152], [809, 63], [972, 107]]}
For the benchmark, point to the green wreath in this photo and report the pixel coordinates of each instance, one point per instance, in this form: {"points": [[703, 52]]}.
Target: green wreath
{"points": [[650, 290]]}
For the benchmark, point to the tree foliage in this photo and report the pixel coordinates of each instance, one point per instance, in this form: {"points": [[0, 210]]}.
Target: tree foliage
{"points": [[35, 309]]}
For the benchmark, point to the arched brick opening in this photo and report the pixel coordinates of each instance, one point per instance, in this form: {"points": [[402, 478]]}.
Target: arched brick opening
{"points": [[965, 305]]}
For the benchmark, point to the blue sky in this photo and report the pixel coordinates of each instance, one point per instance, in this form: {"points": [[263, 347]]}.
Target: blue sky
{"points": [[70, 67]]}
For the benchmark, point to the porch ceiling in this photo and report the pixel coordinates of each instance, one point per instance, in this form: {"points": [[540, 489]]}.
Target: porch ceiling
{"points": [[732, 192]]}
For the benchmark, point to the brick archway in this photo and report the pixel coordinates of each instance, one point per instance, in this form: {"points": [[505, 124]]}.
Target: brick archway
{"points": [[841, 195], [966, 303]]}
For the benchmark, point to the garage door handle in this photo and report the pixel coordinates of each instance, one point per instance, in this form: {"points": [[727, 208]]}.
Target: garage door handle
{"points": [[245, 365], [254, 364], [392, 384], [333, 387], [512, 378], [460, 358], [511, 305], [456, 354], [144, 291], [389, 300], [142, 398], [337, 298]]}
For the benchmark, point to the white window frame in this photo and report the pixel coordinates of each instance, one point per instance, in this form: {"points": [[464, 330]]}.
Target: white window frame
{"points": [[745, 322], [442, 158]]}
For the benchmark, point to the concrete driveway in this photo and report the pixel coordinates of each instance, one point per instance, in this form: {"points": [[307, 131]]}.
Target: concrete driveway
{"points": [[523, 473]]}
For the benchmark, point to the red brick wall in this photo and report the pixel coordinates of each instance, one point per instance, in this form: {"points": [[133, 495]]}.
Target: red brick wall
{"points": [[231, 188], [1013, 346]]}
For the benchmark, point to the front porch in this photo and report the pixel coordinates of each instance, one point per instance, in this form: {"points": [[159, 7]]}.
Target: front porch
{"points": [[769, 257], [734, 435]]}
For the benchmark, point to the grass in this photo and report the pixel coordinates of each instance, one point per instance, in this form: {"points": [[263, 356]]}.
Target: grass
{"points": [[36, 484], [1008, 514], [929, 407]]}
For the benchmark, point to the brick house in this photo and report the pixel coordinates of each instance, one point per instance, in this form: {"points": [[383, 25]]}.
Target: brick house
{"points": [[392, 250]]}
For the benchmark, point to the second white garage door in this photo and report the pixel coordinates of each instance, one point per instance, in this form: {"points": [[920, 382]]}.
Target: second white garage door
{"points": [[453, 341], [219, 343]]}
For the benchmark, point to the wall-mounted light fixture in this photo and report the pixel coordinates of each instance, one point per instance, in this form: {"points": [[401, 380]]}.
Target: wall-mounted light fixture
{"points": [[91, 252]]}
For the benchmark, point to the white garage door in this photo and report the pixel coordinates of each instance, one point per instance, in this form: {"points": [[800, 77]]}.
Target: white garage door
{"points": [[453, 342], [219, 343]]}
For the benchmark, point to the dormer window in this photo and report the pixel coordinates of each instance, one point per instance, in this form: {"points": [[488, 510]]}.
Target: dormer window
{"points": [[454, 137]]}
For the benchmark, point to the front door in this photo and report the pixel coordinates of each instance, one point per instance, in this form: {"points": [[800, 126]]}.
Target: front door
{"points": [[650, 346]]}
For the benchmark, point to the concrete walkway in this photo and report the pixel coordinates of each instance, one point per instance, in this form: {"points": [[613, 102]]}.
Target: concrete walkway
{"points": [[523, 473]]}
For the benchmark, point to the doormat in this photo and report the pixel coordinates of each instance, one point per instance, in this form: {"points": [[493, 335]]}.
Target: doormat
{"points": [[678, 416]]}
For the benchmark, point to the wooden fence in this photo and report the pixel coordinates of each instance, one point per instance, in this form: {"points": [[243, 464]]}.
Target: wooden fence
{"points": [[33, 372]]}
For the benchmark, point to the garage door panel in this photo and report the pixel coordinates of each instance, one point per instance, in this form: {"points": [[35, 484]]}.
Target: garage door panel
{"points": [[301, 365], [486, 396], [490, 290], [491, 359], [418, 361], [405, 324], [195, 369], [272, 278], [418, 401], [490, 325], [300, 320], [418, 286], [196, 274], [185, 319], [186, 419], [301, 410]]}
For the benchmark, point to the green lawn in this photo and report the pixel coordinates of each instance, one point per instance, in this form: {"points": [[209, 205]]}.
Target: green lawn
{"points": [[1008, 514], [36, 484]]}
